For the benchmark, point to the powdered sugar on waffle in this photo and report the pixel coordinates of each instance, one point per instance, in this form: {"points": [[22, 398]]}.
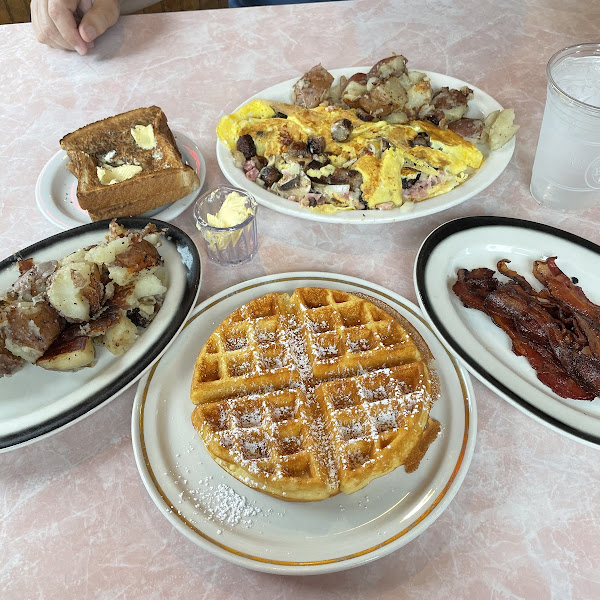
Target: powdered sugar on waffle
{"points": [[295, 344], [351, 416]]}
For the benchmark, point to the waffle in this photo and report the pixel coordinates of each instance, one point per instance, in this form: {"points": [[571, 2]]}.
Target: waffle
{"points": [[309, 395]]}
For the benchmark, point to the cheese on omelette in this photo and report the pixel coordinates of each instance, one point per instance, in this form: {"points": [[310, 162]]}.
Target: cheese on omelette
{"points": [[393, 169]]}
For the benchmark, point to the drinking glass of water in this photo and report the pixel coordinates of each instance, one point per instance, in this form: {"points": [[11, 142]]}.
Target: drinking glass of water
{"points": [[566, 170]]}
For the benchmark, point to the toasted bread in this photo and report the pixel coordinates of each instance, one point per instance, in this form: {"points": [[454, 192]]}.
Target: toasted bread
{"points": [[109, 143], [159, 187]]}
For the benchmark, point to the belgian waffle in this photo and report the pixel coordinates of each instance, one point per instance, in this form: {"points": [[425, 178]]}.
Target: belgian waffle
{"points": [[309, 395]]}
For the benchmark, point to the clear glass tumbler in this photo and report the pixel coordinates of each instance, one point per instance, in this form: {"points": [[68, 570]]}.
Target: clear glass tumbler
{"points": [[233, 244], [566, 170]]}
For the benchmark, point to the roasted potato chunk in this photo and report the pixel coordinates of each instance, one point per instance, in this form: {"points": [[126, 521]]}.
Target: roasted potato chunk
{"points": [[120, 336], [500, 127], [9, 363], [76, 291], [140, 255], [68, 354], [353, 89], [384, 98], [388, 67], [310, 90], [29, 328], [452, 103], [33, 281]]}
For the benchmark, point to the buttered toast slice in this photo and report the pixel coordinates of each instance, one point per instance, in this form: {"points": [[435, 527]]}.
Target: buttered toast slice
{"points": [[127, 164]]}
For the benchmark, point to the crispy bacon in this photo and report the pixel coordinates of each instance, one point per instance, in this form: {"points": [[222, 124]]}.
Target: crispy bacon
{"points": [[472, 287], [518, 279], [533, 323], [529, 320], [549, 328], [586, 313], [548, 370]]}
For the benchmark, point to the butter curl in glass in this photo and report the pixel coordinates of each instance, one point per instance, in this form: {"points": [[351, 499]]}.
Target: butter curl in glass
{"points": [[226, 218]]}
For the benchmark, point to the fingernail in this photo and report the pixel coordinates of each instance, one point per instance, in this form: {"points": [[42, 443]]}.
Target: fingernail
{"points": [[90, 32], [81, 50]]}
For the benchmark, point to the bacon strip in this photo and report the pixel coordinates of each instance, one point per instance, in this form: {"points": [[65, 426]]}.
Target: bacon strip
{"points": [[535, 324], [587, 314], [540, 325], [472, 287]]}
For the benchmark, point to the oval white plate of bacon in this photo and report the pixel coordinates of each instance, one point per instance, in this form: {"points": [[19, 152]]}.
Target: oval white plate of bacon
{"points": [[518, 302]]}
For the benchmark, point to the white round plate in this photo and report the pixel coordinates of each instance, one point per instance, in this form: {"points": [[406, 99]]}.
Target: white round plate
{"points": [[255, 530], [36, 403], [485, 349], [56, 188], [495, 162]]}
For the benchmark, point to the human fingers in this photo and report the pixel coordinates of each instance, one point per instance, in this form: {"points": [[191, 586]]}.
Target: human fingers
{"points": [[43, 27], [84, 6], [62, 14], [102, 15]]}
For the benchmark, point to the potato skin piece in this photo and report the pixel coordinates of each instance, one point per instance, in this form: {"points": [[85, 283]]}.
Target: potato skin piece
{"points": [[94, 292], [68, 354], [9, 363], [30, 328], [140, 255]]}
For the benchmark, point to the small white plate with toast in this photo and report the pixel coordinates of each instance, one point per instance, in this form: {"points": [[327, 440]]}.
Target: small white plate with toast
{"points": [[254, 530], [56, 188]]}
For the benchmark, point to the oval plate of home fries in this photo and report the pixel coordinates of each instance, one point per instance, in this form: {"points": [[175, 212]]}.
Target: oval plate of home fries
{"points": [[83, 314]]}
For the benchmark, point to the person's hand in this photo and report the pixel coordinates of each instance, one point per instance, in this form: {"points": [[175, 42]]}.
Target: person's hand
{"points": [[72, 24]]}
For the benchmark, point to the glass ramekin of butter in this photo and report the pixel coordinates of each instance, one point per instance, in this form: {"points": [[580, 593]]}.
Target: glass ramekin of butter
{"points": [[226, 218]]}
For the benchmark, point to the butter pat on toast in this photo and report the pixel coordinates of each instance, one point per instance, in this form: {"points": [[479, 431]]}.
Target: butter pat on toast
{"points": [[128, 164]]}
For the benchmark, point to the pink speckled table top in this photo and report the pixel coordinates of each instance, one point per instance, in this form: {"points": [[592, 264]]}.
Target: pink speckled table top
{"points": [[76, 521]]}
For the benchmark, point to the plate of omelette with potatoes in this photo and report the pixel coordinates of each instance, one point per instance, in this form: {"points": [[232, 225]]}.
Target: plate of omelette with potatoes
{"points": [[366, 144]]}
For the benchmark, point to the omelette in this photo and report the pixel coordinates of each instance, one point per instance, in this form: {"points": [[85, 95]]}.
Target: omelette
{"points": [[328, 159]]}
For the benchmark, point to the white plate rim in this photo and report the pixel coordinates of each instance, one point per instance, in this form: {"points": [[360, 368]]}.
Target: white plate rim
{"points": [[87, 405], [429, 303], [492, 168], [49, 206], [164, 504]]}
